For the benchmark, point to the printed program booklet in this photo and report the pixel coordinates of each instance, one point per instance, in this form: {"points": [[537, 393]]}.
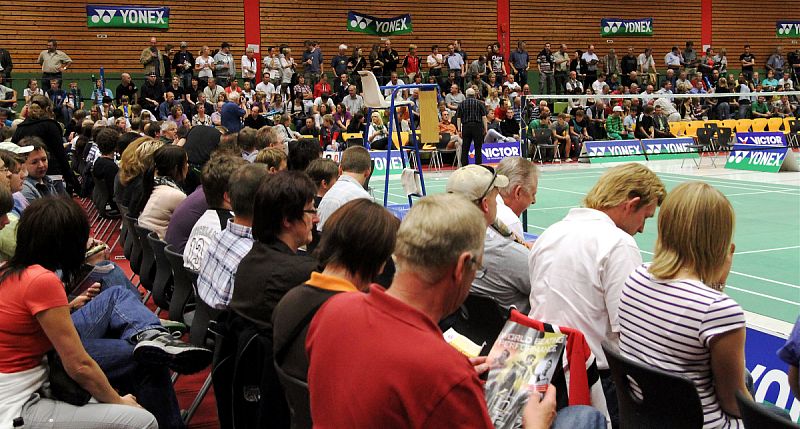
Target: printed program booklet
{"points": [[522, 362]]}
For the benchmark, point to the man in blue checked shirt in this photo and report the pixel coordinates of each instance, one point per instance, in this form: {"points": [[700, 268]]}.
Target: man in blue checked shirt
{"points": [[226, 250]]}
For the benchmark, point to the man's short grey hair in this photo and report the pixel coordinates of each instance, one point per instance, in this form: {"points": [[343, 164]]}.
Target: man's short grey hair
{"points": [[520, 171], [248, 50], [234, 96], [436, 231], [166, 125]]}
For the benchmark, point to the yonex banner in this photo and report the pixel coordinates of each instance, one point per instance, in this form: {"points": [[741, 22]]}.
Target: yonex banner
{"points": [[669, 148], [379, 158], [762, 139], [614, 151], [610, 27], [787, 29], [757, 158], [127, 16], [495, 152], [362, 23], [769, 373]]}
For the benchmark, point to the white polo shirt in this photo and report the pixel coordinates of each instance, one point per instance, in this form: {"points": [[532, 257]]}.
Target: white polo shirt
{"points": [[345, 189], [577, 269]]}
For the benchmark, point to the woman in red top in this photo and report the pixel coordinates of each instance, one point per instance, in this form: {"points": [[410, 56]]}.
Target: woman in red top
{"points": [[411, 63], [35, 318]]}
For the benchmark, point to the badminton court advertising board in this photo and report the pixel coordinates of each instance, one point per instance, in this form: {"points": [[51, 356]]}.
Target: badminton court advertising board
{"points": [[493, 153], [676, 148], [765, 151], [614, 151]]}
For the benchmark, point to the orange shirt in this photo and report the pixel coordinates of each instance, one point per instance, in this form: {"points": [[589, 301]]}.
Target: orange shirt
{"points": [[447, 128]]}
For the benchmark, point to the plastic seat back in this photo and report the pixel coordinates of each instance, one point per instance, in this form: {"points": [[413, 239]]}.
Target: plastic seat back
{"points": [[183, 289], [162, 282], [757, 415], [666, 400]]}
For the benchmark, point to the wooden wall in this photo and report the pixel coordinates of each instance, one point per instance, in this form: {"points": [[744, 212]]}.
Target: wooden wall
{"points": [[735, 22], [438, 22], [580, 26], [738, 22], [35, 21]]}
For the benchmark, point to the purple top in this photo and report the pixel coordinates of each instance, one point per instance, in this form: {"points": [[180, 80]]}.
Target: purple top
{"points": [[183, 219]]}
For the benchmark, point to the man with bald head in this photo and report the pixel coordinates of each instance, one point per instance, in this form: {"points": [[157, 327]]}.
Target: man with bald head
{"points": [[152, 60]]}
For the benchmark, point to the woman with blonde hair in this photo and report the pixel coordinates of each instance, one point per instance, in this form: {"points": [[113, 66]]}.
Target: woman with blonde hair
{"points": [[135, 160], [673, 312], [377, 134]]}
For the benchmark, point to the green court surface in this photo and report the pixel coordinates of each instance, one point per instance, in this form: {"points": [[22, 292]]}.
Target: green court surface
{"points": [[765, 278]]}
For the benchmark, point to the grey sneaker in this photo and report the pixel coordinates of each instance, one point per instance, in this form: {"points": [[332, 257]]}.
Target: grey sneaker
{"points": [[181, 357]]}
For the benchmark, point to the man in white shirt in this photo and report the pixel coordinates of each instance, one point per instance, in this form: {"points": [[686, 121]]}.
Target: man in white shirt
{"points": [[354, 169], [249, 66], [591, 64], [523, 181], [504, 260], [597, 86], [647, 66], [267, 87], [578, 265], [674, 59], [393, 81]]}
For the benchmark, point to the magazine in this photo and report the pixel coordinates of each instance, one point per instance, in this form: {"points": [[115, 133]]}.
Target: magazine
{"points": [[522, 362]]}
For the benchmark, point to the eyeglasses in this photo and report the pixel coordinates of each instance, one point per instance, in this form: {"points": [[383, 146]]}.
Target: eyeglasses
{"points": [[4, 170], [480, 270], [491, 184]]}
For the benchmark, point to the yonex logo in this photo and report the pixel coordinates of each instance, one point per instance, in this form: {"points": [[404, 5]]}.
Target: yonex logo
{"points": [[612, 26], [786, 29], [104, 15], [654, 148], [360, 22], [737, 156], [597, 151]]}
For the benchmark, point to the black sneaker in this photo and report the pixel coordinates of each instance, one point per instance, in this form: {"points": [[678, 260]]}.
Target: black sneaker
{"points": [[181, 357]]}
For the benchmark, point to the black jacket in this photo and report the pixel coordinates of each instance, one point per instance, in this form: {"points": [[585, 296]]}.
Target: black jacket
{"points": [[53, 136]]}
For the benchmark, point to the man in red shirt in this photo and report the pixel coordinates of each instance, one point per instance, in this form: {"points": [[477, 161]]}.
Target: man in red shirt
{"points": [[379, 359]]}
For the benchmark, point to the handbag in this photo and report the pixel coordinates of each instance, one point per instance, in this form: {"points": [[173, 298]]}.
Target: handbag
{"points": [[62, 386]]}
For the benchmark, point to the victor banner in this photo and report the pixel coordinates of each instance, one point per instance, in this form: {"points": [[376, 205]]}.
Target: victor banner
{"points": [[126, 17], [614, 27], [362, 23]]}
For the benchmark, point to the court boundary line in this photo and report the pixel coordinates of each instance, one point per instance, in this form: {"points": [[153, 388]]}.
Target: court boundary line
{"points": [[747, 252]]}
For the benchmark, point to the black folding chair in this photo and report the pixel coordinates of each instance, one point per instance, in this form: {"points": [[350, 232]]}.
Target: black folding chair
{"points": [[147, 270], [646, 407], [480, 318], [704, 145], [756, 416]]}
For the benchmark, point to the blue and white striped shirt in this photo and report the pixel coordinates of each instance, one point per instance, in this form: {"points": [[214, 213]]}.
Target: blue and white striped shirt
{"points": [[669, 324], [220, 263]]}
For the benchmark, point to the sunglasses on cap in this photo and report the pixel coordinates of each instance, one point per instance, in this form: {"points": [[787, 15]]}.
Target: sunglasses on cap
{"points": [[491, 184]]}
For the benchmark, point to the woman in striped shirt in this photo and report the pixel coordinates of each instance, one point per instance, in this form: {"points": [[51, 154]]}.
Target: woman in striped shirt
{"points": [[673, 314]]}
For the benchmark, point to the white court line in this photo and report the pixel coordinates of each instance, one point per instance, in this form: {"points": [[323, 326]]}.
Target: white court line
{"points": [[763, 192], [730, 182], [550, 208], [739, 187], [768, 324], [766, 280], [766, 250], [563, 190], [762, 295]]}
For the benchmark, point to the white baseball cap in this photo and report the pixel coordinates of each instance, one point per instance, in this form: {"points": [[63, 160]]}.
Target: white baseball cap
{"points": [[12, 147], [475, 181], [618, 109]]}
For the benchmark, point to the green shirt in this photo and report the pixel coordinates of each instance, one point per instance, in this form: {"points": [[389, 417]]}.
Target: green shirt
{"points": [[614, 125], [760, 107], [536, 124]]}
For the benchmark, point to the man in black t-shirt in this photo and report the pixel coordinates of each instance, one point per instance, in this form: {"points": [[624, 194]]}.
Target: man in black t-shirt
{"points": [[748, 61], [127, 87], [390, 59], [628, 64], [105, 169], [645, 125]]}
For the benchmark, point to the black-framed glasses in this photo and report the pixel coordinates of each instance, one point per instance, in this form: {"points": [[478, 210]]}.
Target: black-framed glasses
{"points": [[491, 184]]}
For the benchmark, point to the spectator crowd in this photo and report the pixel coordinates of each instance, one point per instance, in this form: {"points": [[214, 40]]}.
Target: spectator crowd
{"points": [[291, 250]]}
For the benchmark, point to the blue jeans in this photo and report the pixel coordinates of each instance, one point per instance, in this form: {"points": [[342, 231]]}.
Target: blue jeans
{"points": [[579, 416], [107, 326], [116, 277]]}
